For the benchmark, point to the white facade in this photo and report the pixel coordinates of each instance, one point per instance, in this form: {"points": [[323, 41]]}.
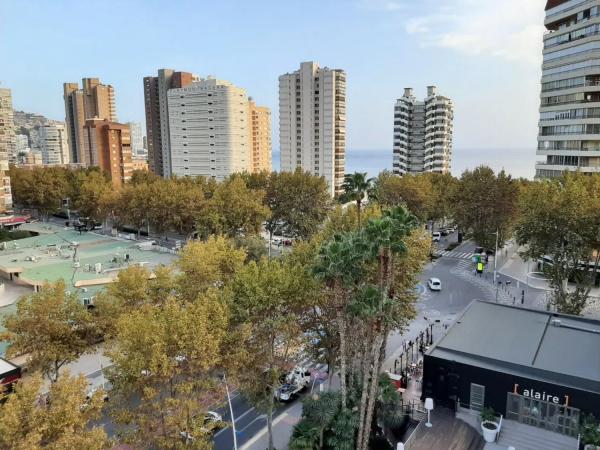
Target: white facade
{"points": [[53, 143], [21, 143], [312, 122], [423, 133], [208, 125], [137, 139], [569, 134]]}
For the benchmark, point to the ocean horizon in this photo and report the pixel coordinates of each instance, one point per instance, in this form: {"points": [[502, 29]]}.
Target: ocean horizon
{"points": [[518, 162]]}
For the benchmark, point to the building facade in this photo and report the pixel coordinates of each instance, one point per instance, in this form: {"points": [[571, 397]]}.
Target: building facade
{"points": [[7, 144], [93, 100], [312, 122], [259, 118], [569, 127], [209, 129], [423, 133], [54, 144], [108, 145], [157, 116], [137, 141]]}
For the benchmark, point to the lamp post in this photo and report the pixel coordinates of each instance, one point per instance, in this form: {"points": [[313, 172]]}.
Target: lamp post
{"points": [[428, 407], [231, 413], [496, 263]]}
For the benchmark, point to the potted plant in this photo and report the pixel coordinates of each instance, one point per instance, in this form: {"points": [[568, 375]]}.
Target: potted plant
{"points": [[489, 426]]}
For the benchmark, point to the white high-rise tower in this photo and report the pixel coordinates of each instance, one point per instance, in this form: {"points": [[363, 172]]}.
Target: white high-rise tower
{"points": [[312, 122]]}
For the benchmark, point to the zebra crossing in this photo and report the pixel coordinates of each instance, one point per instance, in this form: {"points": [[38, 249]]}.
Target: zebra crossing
{"points": [[454, 254], [308, 361]]}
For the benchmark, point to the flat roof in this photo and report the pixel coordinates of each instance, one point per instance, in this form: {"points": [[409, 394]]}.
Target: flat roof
{"points": [[6, 366], [537, 344]]}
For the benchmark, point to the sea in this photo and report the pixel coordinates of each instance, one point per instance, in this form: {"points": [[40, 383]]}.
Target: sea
{"points": [[518, 162]]}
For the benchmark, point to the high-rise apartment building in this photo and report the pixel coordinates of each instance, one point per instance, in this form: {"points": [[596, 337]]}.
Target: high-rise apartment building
{"points": [[312, 122], [21, 143], [93, 100], [209, 129], [259, 118], [137, 141], [157, 116], [108, 146], [7, 143], [54, 144], [422, 133], [569, 127]]}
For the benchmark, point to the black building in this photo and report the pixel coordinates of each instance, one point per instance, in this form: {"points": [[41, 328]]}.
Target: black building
{"points": [[535, 367]]}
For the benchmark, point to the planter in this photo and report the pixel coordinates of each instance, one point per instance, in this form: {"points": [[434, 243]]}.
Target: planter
{"points": [[490, 430]]}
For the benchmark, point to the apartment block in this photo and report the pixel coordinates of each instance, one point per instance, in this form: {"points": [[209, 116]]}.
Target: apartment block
{"points": [[7, 147], [157, 116], [259, 118], [312, 122], [54, 144], [108, 145], [423, 133], [569, 126], [93, 100], [137, 141], [209, 129]]}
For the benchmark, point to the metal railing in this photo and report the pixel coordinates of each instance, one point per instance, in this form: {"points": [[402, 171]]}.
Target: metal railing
{"points": [[413, 436]]}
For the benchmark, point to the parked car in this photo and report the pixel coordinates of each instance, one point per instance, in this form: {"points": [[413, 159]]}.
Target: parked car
{"points": [[434, 284], [211, 422], [436, 236]]}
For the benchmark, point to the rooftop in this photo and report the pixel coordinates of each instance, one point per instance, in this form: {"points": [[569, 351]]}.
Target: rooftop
{"points": [[536, 344]]}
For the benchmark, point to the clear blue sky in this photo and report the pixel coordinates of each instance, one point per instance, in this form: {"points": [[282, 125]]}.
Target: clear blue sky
{"points": [[484, 54]]}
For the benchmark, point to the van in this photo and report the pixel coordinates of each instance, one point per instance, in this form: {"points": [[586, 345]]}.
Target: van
{"points": [[436, 236]]}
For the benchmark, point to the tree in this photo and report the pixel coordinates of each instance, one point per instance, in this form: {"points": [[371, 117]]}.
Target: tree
{"points": [[52, 327], [413, 191], [559, 219], [320, 410], [164, 360], [268, 299], [235, 210], [254, 246], [485, 203], [41, 188], [298, 202], [356, 187], [28, 422], [95, 193], [208, 264]]}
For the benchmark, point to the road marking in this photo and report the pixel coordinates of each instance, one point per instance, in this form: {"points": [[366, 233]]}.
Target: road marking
{"points": [[260, 434]]}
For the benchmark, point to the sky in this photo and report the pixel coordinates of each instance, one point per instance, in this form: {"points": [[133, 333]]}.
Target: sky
{"points": [[483, 54]]}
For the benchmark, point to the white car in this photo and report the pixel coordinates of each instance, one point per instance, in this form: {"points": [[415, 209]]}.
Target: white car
{"points": [[434, 284], [436, 236], [210, 423]]}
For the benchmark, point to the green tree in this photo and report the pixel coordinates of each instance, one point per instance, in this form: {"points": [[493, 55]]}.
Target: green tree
{"points": [[28, 422], [559, 219], [298, 201], [356, 188], [208, 264], [165, 358], [267, 298], [52, 327], [413, 191], [94, 196], [485, 203], [321, 409]]}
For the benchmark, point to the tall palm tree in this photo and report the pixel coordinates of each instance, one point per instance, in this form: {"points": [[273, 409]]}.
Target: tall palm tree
{"points": [[356, 187], [305, 436], [385, 239], [339, 265], [321, 410]]}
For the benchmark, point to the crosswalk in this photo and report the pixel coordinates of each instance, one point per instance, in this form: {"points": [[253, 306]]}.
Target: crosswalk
{"points": [[308, 361], [454, 254]]}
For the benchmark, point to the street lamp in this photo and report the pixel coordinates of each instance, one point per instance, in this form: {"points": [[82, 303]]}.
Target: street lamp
{"points": [[231, 412]]}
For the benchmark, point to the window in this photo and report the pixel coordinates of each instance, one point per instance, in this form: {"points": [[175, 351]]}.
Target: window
{"points": [[477, 397]]}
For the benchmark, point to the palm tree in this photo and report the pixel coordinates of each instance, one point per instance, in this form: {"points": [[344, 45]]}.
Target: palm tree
{"points": [[321, 410], [339, 266], [305, 436], [356, 187]]}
